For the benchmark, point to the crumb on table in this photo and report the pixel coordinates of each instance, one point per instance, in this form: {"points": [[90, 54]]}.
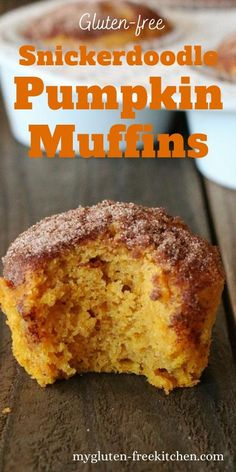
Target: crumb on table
{"points": [[6, 410]]}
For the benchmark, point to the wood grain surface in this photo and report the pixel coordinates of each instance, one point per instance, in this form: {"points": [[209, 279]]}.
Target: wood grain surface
{"points": [[115, 413]]}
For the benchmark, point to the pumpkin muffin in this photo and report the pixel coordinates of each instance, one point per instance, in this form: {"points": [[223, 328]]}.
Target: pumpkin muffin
{"points": [[115, 287]]}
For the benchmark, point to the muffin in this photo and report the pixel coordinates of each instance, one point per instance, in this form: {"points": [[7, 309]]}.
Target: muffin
{"points": [[227, 58], [62, 25], [115, 287]]}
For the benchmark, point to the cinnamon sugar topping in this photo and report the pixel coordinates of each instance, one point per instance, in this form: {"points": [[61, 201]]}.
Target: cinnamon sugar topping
{"points": [[135, 226]]}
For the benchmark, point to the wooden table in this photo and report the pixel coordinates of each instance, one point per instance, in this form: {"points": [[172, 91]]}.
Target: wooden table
{"points": [[116, 413]]}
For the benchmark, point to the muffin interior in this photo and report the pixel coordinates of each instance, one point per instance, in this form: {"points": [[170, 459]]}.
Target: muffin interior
{"points": [[101, 308]]}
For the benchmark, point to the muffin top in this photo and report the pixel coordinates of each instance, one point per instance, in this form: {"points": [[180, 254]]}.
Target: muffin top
{"points": [[137, 227]]}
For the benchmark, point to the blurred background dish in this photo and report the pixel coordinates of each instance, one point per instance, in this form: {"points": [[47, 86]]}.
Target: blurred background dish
{"points": [[53, 21], [220, 163], [207, 27]]}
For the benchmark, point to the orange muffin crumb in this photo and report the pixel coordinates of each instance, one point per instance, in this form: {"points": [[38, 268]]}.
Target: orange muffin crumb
{"points": [[6, 410]]}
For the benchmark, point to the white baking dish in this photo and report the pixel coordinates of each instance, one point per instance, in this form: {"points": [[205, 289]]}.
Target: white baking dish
{"points": [[204, 27], [220, 127], [210, 28], [220, 163], [86, 121]]}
